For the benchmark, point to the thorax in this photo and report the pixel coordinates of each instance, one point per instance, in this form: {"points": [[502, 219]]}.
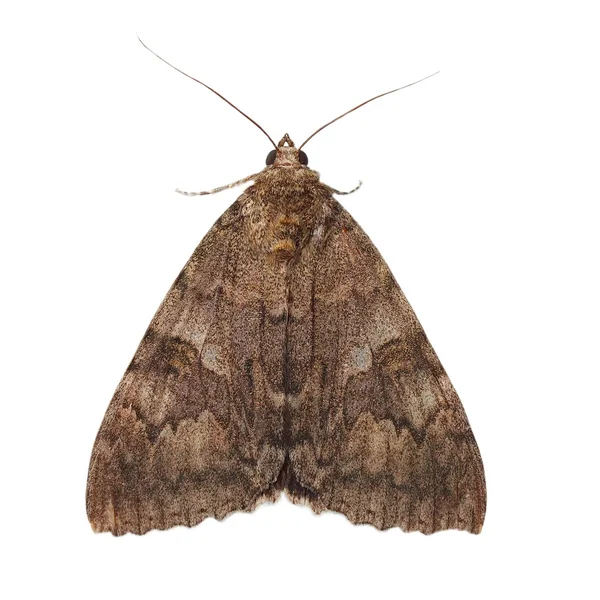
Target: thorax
{"points": [[283, 211]]}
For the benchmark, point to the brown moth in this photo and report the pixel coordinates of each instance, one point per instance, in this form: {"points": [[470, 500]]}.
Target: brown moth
{"points": [[285, 358]]}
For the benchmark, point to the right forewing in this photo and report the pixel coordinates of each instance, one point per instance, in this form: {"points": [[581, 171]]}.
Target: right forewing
{"points": [[379, 433]]}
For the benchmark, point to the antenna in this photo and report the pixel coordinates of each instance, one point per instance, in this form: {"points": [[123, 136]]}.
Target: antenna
{"points": [[209, 88], [362, 104]]}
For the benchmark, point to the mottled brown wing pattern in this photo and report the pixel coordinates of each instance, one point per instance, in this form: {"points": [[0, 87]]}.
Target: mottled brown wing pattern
{"points": [[377, 430], [285, 356], [194, 428]]}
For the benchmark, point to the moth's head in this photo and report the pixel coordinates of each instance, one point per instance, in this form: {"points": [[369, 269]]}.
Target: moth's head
{"points": [[287, 155]]}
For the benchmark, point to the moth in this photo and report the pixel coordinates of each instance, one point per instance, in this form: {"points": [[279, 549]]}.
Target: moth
{"points": [[285, 357]]}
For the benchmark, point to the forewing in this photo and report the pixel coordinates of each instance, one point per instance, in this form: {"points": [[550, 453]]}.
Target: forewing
{"points": [[194, 428], [377, 430]]}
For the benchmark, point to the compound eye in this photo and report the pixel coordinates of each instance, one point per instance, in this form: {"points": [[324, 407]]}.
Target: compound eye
{"points": [[302, 158], [271, 157]]}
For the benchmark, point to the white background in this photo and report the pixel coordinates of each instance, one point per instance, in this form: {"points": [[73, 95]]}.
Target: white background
{"points": [[480, 189]]}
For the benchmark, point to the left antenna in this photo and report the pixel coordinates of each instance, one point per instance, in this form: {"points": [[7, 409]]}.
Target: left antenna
{"points": [[208, 88]]}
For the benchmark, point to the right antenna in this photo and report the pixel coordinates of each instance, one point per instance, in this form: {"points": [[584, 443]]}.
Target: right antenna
{"points": [[362, 104]]}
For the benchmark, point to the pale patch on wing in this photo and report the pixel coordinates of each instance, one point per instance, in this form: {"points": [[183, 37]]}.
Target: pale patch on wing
{"points": [[214, 360], [361, 358], [429, 394], [207, 442], [382, 329], [358, 360], [278, 398], [277, 311], [198, 445], [367, 444], [193, 325], [420, 399]]}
